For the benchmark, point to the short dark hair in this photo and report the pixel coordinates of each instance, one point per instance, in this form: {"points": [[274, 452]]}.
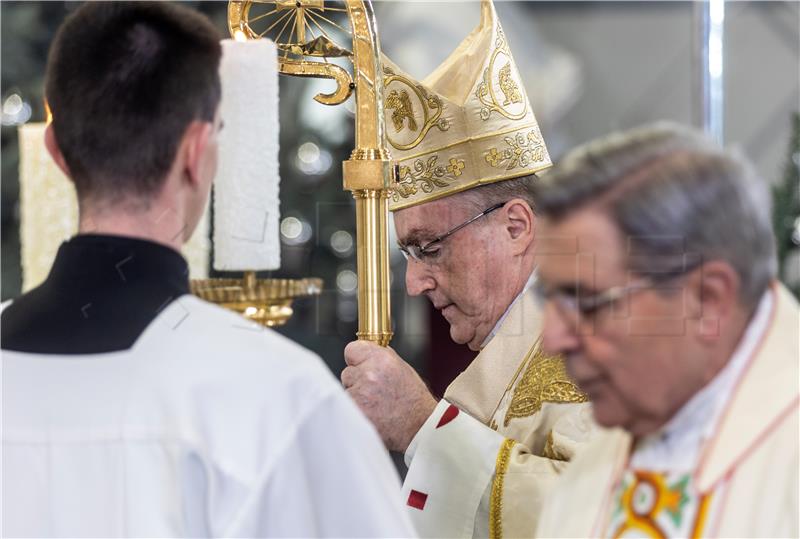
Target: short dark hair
{"points": [[124, 81]]}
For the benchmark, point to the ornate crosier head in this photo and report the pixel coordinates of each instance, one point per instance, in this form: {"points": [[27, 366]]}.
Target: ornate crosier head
{"points": [[468, 123]]}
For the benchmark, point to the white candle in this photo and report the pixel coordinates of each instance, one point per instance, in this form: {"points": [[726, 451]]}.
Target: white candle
{"points": [[246, 188]]}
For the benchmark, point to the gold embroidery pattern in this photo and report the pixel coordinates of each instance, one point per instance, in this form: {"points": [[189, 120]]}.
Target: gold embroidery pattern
{"points": [[400, 103], [544, 380], [426, 176], [496, 499], [509, 87], [522, 150], [512, 91], [549, 451]]}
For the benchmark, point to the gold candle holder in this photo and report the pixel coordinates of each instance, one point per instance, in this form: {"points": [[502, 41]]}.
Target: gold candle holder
{"points": [[266, 301]]}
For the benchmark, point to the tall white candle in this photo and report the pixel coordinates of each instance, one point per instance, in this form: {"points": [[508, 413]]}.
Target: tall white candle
{"points": [[246, 188]]}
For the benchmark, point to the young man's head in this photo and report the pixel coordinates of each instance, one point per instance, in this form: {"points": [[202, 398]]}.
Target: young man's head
{"points": [[134, 89], [656, 247]]}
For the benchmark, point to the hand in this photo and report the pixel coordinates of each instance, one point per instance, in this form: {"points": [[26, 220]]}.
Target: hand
{"points": [[389, 392]]}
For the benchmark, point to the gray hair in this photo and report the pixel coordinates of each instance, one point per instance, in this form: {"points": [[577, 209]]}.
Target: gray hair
{"points": [[677, 197], [485, 196]]}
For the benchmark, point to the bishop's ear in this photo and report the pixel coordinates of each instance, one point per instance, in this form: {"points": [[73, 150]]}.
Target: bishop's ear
{"points": [[520, 224], [55, 152]]}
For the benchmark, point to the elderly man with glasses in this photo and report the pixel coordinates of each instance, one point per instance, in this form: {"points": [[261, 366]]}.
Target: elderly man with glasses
{"points": [[482, 459], [657, 272]]}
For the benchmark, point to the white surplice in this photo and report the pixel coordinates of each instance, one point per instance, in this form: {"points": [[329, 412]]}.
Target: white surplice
{"points": [[208, 426]]}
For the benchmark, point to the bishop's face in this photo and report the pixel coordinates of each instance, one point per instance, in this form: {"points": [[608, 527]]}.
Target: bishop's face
{"points": [[637, 356], [464, 276]]}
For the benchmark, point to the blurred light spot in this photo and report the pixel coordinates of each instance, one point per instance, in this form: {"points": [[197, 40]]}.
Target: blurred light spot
{"points": [[313, 160], [291, 228], [308, 152], [13, 105], [347, 281], [15, 110], [295, 231], [250, 311], [238, 35], [342, 242]]}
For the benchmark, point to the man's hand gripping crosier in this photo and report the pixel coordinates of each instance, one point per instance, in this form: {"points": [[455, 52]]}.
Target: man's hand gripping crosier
{"points": [[389, 392]]}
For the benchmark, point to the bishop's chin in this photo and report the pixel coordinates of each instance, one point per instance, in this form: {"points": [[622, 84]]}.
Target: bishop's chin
{"points": [[466, 335], [460, 334]]}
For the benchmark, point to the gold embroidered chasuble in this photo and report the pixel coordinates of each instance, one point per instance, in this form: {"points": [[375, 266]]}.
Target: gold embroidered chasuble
{"points": [[744, 483], [485, 460]]}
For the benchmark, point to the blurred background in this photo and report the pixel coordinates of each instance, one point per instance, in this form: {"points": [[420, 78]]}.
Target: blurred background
{"points": [[589, 68]]}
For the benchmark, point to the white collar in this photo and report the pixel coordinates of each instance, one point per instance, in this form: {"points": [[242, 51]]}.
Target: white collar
{"points": [[676, 446], [496, 328]]}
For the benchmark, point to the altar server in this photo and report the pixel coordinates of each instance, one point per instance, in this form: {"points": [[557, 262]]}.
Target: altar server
{"points": [[130, 407]]}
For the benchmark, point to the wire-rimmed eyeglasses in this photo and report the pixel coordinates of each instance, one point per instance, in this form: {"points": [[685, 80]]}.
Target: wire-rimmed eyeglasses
{"points": [[586, 305], [575, 305], [424, 252]]}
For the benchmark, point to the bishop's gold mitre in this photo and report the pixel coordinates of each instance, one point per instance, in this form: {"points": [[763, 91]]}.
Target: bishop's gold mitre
{"points": [[469, 123]]}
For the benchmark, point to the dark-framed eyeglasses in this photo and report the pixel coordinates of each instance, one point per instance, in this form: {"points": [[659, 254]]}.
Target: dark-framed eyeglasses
{"points": [[425, 252]]}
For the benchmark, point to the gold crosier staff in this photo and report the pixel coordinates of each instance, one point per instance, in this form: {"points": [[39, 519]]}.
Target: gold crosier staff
{"points": [[369, 172]]}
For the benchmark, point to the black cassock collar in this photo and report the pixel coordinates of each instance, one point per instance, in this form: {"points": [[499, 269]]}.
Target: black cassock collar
{"points": [[101, 294]]}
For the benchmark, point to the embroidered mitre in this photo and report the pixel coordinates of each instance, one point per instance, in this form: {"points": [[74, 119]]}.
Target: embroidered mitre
{"points": [[468, 123]]}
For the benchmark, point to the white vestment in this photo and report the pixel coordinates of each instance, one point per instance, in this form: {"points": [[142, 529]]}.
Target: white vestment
{"points": [[208, 426], [486, 458], [726, 465]]}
